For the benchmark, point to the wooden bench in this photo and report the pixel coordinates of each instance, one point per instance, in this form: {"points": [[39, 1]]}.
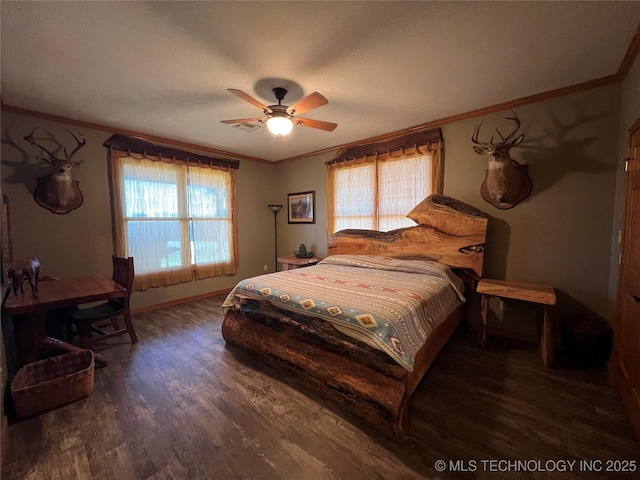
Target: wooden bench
{"points": [[541, 294]]}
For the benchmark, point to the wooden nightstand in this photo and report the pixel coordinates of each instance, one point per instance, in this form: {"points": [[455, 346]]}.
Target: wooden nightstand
{"points": [[528, 292], [289, 263]]}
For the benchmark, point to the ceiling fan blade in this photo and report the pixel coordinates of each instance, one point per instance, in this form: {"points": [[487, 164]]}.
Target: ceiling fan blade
{"points": [[307, 122], [243, 120], [311, 101], [248, 98]]}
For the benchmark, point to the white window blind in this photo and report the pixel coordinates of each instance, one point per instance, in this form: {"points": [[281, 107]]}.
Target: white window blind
{"points": [[377, 194], [174, 218]]}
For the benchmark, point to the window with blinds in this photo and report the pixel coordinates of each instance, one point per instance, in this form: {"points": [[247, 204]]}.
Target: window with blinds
{"points": [[176, 218], [375, 191]]}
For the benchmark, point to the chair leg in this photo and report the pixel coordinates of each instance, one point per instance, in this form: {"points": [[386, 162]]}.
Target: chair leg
{"points": [[130, 329], [91, 333]]}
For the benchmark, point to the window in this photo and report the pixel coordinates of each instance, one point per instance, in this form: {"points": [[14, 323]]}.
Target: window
{"points": [[377, 192], [175, 218]]}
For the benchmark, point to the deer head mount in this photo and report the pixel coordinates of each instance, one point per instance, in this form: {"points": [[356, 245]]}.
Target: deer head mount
{"points": [[57, 191], [506, 182]]}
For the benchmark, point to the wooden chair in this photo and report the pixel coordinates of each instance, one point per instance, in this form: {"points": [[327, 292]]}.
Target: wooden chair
{"points": [[90, 323]]}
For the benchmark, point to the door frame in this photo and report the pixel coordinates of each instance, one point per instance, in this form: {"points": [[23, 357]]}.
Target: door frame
{"points": [[629, 398]]}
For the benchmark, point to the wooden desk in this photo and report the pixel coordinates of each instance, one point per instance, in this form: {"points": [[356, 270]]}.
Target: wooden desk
{"points": [[289, 263], [528, 292], [69, 292]]}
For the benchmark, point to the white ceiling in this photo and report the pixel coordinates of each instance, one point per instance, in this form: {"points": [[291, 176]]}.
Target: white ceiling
{"points": [[162, 68]]}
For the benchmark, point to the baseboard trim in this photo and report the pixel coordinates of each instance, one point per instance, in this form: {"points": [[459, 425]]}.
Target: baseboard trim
{"points": [[179, 301]]}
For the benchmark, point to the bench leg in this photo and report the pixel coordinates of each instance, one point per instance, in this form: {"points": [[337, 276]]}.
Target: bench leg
{"points": [[546, 338], [482, 331]]}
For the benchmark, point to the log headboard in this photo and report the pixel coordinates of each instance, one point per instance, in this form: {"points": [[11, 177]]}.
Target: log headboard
{"points": [[448, 230]]}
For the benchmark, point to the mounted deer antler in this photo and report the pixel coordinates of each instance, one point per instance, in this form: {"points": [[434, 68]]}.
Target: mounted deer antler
{"points": [[57, 191], [506, 182]]}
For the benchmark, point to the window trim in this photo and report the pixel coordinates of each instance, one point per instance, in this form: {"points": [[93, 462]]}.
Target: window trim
{"points": [[121, 236], [407, 146]]}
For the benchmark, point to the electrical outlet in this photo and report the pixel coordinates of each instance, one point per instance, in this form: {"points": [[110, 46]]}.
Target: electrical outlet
{"points": [[266, 268]]}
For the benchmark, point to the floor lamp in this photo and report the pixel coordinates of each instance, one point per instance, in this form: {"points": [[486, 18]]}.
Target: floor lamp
{"points": [[275, 209]]}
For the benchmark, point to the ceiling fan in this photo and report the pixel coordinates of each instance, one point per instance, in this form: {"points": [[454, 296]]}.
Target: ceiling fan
{"points": [[281, 118]]}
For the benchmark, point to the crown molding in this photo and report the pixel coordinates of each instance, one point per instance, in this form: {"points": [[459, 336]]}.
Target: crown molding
{"points": [[142, 136], [619, 76]]}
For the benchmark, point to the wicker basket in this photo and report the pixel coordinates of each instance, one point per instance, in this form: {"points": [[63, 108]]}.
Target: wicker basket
{"points": [[52, 382]]}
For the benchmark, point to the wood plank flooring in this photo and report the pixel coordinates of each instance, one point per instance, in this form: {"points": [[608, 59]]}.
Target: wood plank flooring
{"points": [[182, 405]]}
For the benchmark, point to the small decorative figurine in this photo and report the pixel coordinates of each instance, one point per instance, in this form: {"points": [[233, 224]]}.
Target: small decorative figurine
{"points": [[29, 268], [302, 252]]}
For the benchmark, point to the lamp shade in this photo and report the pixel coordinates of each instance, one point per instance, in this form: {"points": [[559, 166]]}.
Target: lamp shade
{"points": [[279, 125]]}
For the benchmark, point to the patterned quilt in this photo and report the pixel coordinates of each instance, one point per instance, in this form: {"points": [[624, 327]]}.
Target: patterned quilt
{"points": [[390, 304]]}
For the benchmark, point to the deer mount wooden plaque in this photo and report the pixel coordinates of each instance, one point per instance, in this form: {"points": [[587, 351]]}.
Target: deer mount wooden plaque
{"points": [[57, 191], [506, 182]]}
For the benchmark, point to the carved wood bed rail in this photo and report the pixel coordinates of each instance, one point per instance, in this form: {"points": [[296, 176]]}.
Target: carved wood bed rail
{"points": [[346, 371], [448, 231]]}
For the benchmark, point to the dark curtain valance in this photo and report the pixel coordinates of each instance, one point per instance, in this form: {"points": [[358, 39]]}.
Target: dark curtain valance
{"points": [[141, 147], [414, 140]]}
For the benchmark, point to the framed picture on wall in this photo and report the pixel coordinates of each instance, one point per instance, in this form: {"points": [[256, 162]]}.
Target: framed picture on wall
{"points": [[302, 207]]}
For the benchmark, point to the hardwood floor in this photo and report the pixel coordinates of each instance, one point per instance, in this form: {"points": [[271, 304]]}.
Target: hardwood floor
{"points": [[181, 405]]}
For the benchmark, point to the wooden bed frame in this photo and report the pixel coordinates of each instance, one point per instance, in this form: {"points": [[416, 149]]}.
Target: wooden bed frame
{"points": [[351, 374]]}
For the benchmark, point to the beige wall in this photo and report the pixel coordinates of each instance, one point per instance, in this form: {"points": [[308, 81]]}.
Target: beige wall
{"points": [[304, 175], [562, 235], [80, 242]]}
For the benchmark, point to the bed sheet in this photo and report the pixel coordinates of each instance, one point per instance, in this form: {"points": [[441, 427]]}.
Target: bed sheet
{"points": [[390, 304]]}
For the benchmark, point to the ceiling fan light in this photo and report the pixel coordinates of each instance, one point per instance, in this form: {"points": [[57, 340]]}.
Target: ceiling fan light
{"points": [[279, 126]]}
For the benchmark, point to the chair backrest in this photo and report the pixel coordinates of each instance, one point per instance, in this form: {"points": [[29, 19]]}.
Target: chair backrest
{"points": [[123, 272]]}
